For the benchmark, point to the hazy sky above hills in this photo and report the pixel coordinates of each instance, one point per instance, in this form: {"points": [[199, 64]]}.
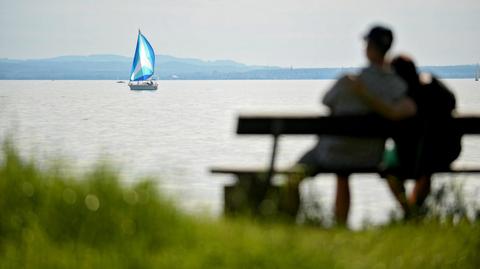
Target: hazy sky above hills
{"points": [[306, 33]]}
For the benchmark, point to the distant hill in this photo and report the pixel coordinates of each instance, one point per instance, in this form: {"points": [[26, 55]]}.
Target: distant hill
{"points": [[114, 67], [451, 71]]}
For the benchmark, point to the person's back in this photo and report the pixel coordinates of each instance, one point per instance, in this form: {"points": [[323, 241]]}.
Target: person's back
{"points": [[442, 141], [350, 152], [434, 142]]}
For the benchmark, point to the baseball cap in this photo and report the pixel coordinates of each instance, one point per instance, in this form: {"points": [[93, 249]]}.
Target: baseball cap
{"points": [[381, 36]]}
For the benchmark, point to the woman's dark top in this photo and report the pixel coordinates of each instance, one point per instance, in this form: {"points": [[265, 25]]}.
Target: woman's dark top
{"points": [[431, 143]]}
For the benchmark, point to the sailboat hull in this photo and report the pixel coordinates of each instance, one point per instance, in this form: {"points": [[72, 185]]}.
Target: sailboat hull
{"points": [[148, 86]]}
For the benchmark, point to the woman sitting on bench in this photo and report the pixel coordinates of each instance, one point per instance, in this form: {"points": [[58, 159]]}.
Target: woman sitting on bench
{"points": [[431, 142]]}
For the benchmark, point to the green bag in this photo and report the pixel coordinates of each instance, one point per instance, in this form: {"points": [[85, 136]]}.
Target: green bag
{"points": [[390, 158]]}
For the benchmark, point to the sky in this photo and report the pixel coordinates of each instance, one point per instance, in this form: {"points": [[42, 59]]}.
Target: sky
{"points": [[288, 33]]}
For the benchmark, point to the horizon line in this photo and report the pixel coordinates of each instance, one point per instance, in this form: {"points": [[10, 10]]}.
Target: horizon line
{"points": [[216, 60]]}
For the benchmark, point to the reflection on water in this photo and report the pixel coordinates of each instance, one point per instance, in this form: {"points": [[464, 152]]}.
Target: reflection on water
{"points": [[178, 131]]}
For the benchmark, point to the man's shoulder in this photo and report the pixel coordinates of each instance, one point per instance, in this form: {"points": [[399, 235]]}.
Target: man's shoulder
{"points": [[376, 72], [380, 79]]}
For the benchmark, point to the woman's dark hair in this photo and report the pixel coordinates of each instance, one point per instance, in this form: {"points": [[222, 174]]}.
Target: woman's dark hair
{"points": [[405, 68]]}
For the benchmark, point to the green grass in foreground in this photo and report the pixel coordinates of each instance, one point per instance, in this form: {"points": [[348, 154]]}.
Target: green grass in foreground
{"points": [[49, 219]]}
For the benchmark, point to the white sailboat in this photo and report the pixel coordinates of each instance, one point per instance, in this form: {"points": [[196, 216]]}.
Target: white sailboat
{"points": [[143, 66]]}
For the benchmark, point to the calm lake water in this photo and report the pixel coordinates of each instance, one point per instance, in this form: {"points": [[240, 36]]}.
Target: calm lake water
{"points": [[177, 132]]}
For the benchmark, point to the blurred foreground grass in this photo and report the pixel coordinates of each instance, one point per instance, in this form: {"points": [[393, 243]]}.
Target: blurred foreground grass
{"points": [[50, 219]]}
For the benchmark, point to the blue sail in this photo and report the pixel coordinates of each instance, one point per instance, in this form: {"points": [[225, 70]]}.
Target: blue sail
{"points": [[144, 60]]}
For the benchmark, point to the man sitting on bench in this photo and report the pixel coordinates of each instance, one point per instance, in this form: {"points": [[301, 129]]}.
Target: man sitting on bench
{"points": [[348, 153]]}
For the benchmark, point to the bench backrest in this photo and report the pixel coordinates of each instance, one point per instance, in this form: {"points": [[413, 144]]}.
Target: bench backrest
{"points": [[367, 126]]}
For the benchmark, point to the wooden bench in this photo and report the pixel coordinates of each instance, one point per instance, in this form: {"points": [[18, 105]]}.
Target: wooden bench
{"points": [[253, 189]]}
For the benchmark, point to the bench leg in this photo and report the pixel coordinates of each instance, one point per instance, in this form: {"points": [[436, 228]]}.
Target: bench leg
{"points": [[251, 195]]}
